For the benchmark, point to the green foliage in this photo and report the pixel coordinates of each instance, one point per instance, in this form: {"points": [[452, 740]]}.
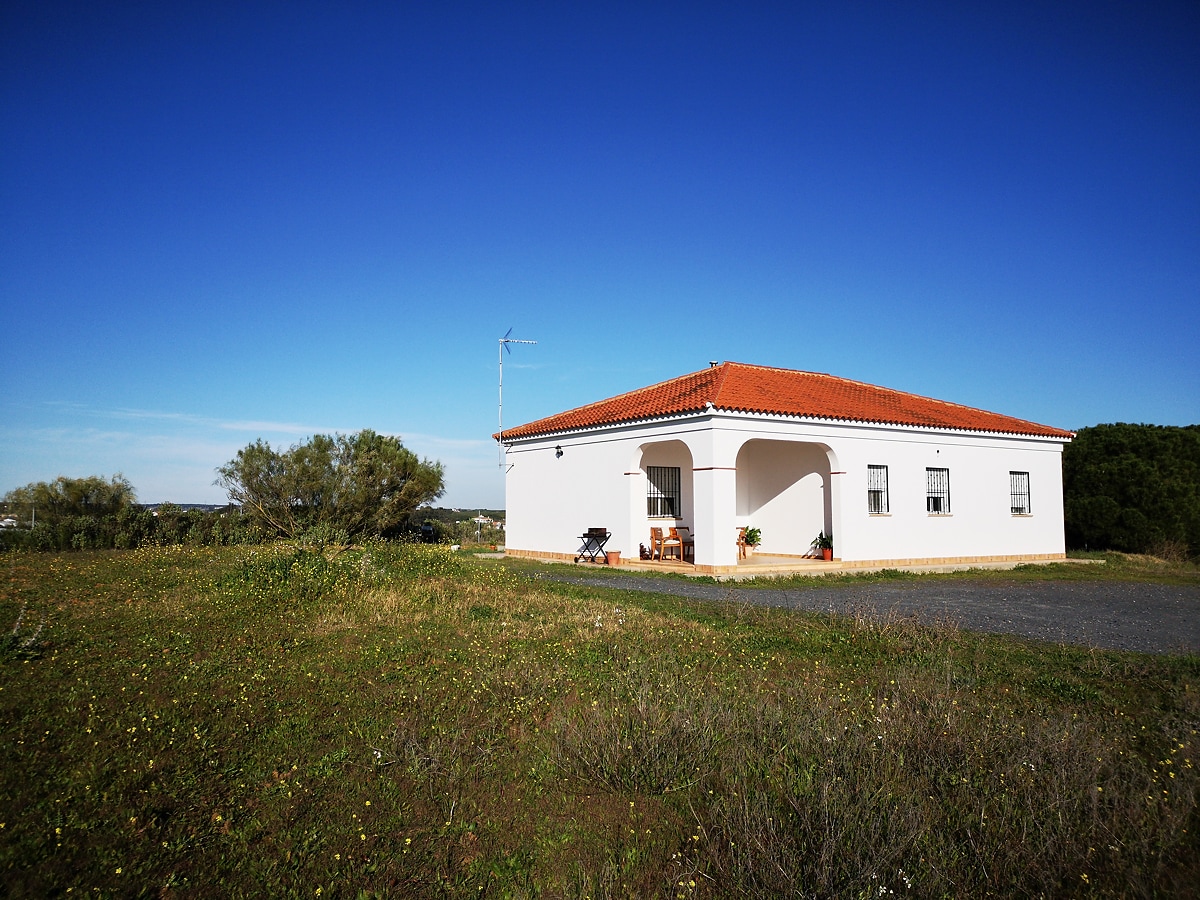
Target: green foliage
{"points": [[70, 513], [298, 576], [1134, 488], [135, 526], [52, 502], [363, 484]]}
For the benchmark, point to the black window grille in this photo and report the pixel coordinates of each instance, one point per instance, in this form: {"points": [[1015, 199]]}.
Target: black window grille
{"points": [[662, 491], [937, 491], [1019, 488], [877, 490]]}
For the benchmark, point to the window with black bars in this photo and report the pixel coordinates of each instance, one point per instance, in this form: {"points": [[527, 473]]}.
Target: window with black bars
{"points": [[662, 491], [937, 492], [1019, 487], [877, 490]]}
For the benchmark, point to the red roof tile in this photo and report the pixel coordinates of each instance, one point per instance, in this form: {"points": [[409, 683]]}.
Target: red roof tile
{"points": [[737, 387]]}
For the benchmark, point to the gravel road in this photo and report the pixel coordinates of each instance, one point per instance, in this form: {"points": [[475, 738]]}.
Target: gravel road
{"points": [[1149, 618]]}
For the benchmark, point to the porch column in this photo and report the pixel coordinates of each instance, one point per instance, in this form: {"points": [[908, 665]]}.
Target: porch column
{"points": [[635, 522], [715, 499], [836, 482]]}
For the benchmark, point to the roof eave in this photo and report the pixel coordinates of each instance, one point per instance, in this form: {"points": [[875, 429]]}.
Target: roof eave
{"points": [[1048, 434], [604, 426], [1041, 432]]}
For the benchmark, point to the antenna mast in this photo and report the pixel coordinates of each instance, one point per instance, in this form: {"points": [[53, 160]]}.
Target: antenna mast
{"points": [[504, 342]]}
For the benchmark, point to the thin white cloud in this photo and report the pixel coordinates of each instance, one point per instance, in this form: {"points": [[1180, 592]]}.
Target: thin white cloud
{"points": [[254, 426], [185, 418], [247, 425], [416, 437]]}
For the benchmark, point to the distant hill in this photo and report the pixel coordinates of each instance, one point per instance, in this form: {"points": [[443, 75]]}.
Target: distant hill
{"points": [[203, 507]]}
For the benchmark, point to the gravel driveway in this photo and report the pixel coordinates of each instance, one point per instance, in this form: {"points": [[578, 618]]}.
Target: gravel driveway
{"points": [[1150, 618]]}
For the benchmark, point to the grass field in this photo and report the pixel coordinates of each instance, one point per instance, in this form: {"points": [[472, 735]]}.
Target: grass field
{"points": [[407, 722]]}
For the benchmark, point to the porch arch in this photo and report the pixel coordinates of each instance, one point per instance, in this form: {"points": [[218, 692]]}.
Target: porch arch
{"points": [[785, 488], [669, 454]]}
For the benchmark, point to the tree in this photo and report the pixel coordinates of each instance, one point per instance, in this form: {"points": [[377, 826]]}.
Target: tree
{"points": [[362, 484], [1133, 487], [64, 498]]}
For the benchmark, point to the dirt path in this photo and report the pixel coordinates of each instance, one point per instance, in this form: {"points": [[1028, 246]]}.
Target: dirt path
{"points": [[1150, 618]]}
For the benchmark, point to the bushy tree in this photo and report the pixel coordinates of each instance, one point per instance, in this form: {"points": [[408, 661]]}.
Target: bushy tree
{"points": [[360, 484], [54, 502], [1133, 487], [95, 514]]}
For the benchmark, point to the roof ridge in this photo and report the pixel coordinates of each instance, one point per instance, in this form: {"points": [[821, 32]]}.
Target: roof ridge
{"points": [[733, 362], [720, 382]]}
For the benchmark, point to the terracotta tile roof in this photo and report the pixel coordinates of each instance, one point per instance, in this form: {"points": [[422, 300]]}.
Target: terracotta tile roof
{"points": [[737, 387]]}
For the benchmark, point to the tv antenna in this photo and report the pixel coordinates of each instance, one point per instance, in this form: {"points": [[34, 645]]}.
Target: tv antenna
{"points": [[504, 348]]}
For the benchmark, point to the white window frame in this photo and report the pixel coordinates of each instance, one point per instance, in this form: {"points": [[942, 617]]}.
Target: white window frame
{"points": [[1018, 490], [877, 491], [664, 492], [937, 491]]}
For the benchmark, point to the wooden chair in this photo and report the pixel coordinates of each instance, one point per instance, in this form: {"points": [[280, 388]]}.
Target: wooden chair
{"points": [[656, 543], [741, 541], [671, 542], [683, 534]]}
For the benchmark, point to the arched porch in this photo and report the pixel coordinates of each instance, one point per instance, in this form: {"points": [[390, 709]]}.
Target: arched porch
{"points": [[785, 489], [661, 490]]}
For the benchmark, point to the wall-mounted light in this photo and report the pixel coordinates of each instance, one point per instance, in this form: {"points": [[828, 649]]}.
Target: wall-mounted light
{"points": [[558, 452]]}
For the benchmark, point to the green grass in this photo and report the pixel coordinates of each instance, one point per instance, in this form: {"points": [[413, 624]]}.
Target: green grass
{"points": [[409, 722]]}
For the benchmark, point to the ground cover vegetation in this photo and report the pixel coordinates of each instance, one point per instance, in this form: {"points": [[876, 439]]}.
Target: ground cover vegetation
{"points": [[405, 721], [1134, 488]]}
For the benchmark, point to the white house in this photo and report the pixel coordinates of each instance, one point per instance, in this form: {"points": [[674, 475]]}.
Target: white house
{"points": [[898, 479]]}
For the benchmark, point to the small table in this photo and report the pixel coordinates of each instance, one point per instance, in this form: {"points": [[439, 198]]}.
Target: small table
{"points": [[593, 545]]}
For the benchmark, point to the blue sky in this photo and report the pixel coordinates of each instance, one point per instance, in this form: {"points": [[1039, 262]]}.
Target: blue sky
{"points": [[284, 219]]}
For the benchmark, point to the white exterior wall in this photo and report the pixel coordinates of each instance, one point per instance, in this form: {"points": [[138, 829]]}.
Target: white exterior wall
{"points": [[740, 475], [551, 500], [980, 522]]}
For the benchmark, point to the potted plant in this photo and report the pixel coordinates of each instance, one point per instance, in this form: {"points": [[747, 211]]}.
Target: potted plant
{"points": [[824, 543], [751, 538]]}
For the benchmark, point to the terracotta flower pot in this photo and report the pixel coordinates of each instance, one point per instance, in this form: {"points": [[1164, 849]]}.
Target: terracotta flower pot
{"points": [[827, 554], [613, 557]]}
